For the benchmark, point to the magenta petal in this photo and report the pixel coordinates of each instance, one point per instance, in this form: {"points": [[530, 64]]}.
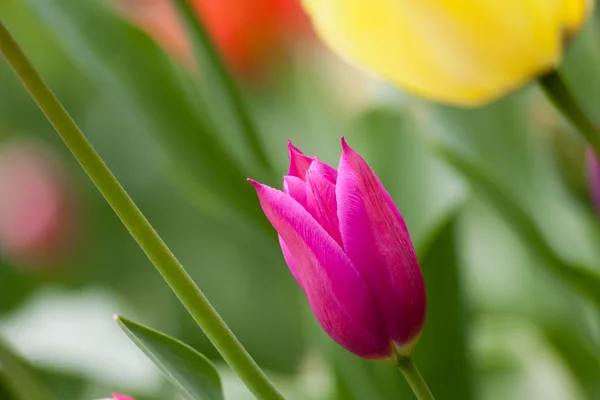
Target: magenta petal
{"points": [[327, 171], [376, 240], [299, 163], [321, 202], [296, 188], [336, 293], [289, 260]]}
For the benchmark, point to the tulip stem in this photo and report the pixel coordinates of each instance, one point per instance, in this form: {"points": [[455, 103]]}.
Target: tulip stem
{"points": [[136, 223], [409, 369], [560, 95]]}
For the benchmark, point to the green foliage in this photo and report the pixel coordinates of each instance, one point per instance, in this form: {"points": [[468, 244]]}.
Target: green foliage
{"points": [[19, 378], [191, 372], [183, 143]]}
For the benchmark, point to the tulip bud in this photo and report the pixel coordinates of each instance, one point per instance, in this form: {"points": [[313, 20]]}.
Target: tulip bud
{"points": [[453, 51], [37, 212], [247, 33], [348, 247]]}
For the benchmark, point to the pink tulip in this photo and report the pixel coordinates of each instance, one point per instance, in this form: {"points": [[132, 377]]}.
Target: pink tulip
{"points": [[348, 247], [37, 207]]}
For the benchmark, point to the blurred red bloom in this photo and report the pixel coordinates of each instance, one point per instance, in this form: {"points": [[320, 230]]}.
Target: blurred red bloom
{"points": [[248, 33], [37, 208]]}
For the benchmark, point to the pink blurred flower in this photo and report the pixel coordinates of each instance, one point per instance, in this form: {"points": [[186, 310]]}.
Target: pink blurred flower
{"points": [[246, 32], [348, 247], [117, 396], [37, 210]]}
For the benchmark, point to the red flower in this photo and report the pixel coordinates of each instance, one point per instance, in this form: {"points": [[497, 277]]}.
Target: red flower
{"points": [[248, 33]]}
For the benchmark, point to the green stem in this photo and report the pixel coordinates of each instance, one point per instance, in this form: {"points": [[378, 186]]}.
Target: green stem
{"points": [[139, 227], [560, 95], [409, 369]]}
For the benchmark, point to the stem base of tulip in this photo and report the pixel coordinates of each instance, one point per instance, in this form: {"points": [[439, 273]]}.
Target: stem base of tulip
{"points": [[560, 95], [412, 375]]}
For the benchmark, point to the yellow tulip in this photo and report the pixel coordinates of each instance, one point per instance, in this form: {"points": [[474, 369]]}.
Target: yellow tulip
{"points": [[464, 52]]}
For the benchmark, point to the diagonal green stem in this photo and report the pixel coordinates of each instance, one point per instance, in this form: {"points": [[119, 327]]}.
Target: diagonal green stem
{"points": [[409, 369], [139, 227], [560, 95]]}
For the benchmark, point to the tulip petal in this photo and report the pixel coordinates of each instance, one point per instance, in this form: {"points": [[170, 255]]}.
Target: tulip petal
{"points": [[336, 293], [289, 260], [299, 163], [321, 202], [328, 172], [296, 188], [379, 246]]}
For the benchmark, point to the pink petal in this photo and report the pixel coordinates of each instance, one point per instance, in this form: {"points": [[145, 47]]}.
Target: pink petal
{"points": [[299, 163], [328, 172], [117, 396], [289, 260], [376, 240], [337, 295], [321, 201], [296, 188]]}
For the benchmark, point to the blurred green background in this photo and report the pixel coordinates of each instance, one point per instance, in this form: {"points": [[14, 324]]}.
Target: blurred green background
{"points": [[495, 200]]}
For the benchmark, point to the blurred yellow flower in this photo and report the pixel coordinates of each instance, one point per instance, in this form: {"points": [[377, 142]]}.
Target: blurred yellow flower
{"points": [[453, 51]]}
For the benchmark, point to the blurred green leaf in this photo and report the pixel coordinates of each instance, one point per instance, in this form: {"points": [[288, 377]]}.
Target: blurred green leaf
{"points": [[585, 280], [580, 69], [150, 90], [191, 372], [14, 286], [581, 357], [443, 355], [20, 379], [501, 141], [5, 392], [221, 96]]}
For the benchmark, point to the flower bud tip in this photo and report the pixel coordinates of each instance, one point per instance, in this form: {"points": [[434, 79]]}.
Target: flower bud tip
{"points": [[254, 183]]}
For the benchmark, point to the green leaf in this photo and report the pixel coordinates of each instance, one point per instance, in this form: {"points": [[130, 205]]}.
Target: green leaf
{"points": [[191, 372], [151, 92], [19, 378], [443, 355], [581, 66], [221, 95], [581, 356], [14, 286], [581, 278]]}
